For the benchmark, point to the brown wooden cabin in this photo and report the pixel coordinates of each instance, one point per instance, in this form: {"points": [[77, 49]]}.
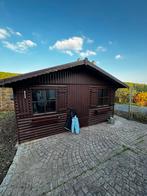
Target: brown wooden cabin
{"points": [[41, 98]]}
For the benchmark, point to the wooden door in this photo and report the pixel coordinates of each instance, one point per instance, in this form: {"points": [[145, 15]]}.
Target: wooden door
{"points": [[78, 99]]}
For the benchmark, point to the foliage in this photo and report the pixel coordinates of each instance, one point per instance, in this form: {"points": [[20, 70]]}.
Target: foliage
{"points": [[141, 117], [122, 94], [141, 99], [7, 125], [137, 116], [4, 75]]}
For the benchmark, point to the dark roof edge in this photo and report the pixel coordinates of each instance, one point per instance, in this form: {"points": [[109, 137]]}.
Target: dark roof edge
{"points": [[107, 74], [3, 82], [40, 72]]}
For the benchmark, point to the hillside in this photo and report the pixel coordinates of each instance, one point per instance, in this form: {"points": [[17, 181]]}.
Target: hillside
{"points": [[137, 86], [4, 75]]}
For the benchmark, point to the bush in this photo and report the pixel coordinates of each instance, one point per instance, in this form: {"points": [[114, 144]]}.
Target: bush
{"points": [[141, 117], [141, 99], [122, 114], [138, 116], [7, 126]]}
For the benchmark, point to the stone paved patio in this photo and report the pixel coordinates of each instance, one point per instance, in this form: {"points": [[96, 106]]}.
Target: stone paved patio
{"points": [[103, 160]]}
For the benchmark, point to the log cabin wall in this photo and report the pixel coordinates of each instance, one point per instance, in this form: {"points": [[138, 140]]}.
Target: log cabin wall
{"points": [[73, 88]]}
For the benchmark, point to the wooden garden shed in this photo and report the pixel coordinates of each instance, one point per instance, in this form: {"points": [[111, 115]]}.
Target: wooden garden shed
{"points": [[41, 98]]}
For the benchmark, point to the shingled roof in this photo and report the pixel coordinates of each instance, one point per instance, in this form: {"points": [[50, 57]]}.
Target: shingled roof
{"points": [[86, 62]]}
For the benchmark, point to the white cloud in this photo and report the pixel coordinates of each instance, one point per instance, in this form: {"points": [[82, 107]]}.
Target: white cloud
{"points": [[101, 49], [87, 53], [89, 41], [73, 45], [68, 52], [119, 57], [7, 32], [68, 46], [4, 34], [20, 47], [12, 32], [18, 33]]}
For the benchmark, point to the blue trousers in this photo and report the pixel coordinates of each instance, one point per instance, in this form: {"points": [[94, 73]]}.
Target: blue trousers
{"points": [[75, 128]]}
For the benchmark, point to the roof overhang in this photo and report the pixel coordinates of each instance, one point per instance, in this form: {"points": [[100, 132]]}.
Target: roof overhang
{"points": [[9, 82]]}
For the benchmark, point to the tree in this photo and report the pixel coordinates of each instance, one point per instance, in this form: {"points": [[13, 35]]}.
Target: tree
{"points": [[141, 99], [122, 95]]}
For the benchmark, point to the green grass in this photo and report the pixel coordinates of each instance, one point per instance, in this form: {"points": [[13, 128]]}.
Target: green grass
{"points": [[137, 116], [4, 75], [141, 117]]}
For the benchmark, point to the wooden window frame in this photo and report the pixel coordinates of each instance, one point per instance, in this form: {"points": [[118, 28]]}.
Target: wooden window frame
{"points": [[45, 88], [103, 97]]}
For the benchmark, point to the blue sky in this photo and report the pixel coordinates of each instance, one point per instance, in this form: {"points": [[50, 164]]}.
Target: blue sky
{"points": [[36, 34]]}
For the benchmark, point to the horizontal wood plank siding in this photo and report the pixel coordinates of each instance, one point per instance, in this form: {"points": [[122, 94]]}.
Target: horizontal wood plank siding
{"points": [[99, 115], [36, 126], [73, 91], [28, 130], [23, 105]]}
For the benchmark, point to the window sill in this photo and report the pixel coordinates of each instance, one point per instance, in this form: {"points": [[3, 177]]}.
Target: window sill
{"points": [[99, 106], [98, 110], [44, 119], [44, 114]]}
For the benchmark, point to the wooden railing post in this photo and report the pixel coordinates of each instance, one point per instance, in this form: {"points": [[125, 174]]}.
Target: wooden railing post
{"points": [[130, 102]]}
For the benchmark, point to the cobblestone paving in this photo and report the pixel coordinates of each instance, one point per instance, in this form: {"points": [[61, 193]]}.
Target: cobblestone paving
{"points": [[103, 160]]}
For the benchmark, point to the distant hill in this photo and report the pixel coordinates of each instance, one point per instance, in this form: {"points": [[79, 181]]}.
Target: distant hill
{"points": [[137, 86], [4, 75]]}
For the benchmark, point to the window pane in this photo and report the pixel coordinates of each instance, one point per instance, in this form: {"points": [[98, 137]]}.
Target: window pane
{"points": [[38, 107], [38, 95], [105, 101], [43, 101], [105, 92], [50, 94], [51, 106], [100, 93], [100, 101]]}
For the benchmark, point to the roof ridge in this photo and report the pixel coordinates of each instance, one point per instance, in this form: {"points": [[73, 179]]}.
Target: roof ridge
{"points": [[59, 68]]}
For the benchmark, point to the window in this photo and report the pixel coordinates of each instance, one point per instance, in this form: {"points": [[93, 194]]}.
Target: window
{"points": [[43, 100], [103, 97]]}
